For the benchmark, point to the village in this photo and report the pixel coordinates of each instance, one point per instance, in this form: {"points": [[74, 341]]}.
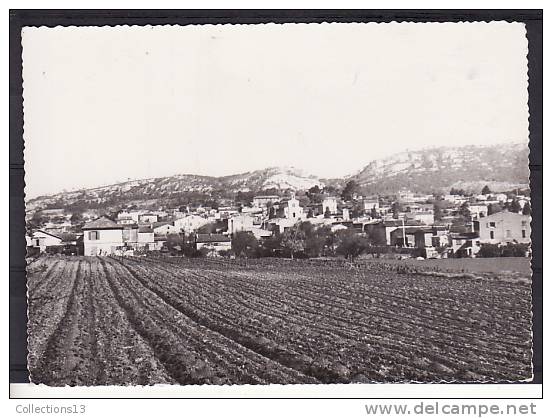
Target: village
{"points": [[303, 223]]}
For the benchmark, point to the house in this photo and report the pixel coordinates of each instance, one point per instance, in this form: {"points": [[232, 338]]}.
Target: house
{"points": [[440, 240], [419, 237], [147, 218], [53, 212], [130, 235], [420, 212], [419, 208], [478, 211], [164, 228], [102, 237], [190, 223], [380, 231], [505, 227], [329, 205], [262, 201], [464, 245], [69, 244], [424, 217], [523, 200], [125, 217], [240, 222], [405, 196], [158, 244], [42, 240], [455, 199], [145, 238], [213, 242], [252, 210], [369, 204], [501, 197]]}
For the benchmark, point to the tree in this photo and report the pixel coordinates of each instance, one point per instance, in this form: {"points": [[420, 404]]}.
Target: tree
{"points": [[352, 244], [374, 212], [245, 198], [458, 192], [329, 190], [325, 232], [189, 246], [314, 190], [514, 206], [293, 239], [244, 244], [357, 210], [437, 211], [76, 217], [527, 209], [486, 190], [212, 203], [464, 211], [314, 241], [489, 250], [395, 208], [271, 245], [350, 189], [36, 221]]}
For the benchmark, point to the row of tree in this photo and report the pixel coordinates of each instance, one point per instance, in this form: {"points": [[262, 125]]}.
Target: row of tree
{"points": [[304, 240]]}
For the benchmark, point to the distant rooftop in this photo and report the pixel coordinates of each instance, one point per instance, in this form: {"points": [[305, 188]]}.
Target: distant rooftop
{"points": [[102, 223]]}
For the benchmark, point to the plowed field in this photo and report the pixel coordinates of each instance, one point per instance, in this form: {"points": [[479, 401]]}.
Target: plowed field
{"points": [[106, 321]]}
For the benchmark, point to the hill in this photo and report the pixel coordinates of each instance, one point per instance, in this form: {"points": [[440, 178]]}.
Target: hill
{"points": [[178, 189], [502, 167]]}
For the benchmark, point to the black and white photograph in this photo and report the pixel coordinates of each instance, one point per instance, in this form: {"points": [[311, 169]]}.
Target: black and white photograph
{"points": [[290, 204]]}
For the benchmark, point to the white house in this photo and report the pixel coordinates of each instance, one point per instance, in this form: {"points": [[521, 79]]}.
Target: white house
{"points": [[329, 204], [479, 211], [126, 217], [102, 237], [165, 228], [262, 201], [238, 223], [147, 218], [427, 218], [190, 223], [43, 239], [369, 204], [146, 238], [279, 225], [504, 227]]}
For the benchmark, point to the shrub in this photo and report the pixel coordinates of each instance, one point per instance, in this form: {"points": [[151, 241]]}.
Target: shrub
{"points": [[489, 250]]}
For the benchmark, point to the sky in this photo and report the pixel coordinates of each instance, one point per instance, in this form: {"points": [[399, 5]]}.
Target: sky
{"points": [[107, 104]]}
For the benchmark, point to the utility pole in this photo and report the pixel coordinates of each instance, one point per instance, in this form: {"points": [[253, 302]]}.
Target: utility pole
{"points": [[404, 233]]}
